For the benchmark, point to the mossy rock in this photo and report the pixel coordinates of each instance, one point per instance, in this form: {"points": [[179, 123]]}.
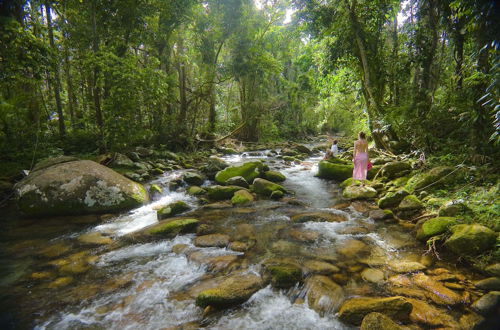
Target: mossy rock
{"points": [[354, 310], [219, 193], [318, 217], [392, 199], [395, 169], [53, 161], [242, 197], [196, 191], [193, 178], [378, 321], [274, 176], [237, 181], [277, 194], [323, 294], [266, 188], [284, 276], [232, 291], [410, 203], [155, 189], [172, 209], [249, 171], [329, 170], [470, 239], [172, 227], [432, 176], [453, 208], [349, 182], [77, 187], [435, 226], [359, 192]]}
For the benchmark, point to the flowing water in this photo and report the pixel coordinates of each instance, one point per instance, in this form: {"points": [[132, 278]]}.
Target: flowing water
{"points": [[51, 280]]}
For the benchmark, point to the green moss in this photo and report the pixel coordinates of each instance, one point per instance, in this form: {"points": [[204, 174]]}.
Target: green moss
{"points": [[349, 182], [173, 227], [436, 176], [218, 193], [155, 189], [248, 170], [241, 197], [392, 199], [266, 188], [471, 239], [435, 226], [339, 172], [196, 191], [284, 275], [410, 202], [274, 176]]}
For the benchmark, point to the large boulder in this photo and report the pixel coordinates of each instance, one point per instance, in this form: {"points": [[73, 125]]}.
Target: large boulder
{"points": [[219, 193], [266, 188], [410, 203], [77, 187], [392, 199], [274, 176], [193, 178], [284, 275], [234, 290], [323, 294], [359, 192], [212, 166], [438, 177], [433, 227], [488, 303], [339, 172], [453, 208], [396, 169], [249, 171], [354, 310], [242, 197], [470, 239]]}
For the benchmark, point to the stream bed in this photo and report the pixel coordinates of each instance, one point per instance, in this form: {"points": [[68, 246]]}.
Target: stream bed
{"points": [[54, 279]]}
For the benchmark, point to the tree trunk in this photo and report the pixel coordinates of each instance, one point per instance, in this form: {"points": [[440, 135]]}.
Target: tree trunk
{"points": [[57, 75], [95, 86], [70, 88]]}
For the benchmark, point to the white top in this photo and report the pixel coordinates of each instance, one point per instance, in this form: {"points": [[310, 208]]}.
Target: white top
{"points": [[335, 149]]}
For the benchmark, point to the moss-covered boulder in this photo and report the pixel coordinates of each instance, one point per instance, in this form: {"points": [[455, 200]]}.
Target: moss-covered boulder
{"points": [[378, 321], [432, 317], [319, 217], [242, 197], [266, 188], [471, 239], [121, 161], [435, 226], [212, 240], [284, 275], [438, 176], [249, 171], [329, 170], [359, 192], [172, 209], [196, 191], [277, 194], [436, 291], [53, 161], [396, 169], [410, 203], [213, 166], [237, 181], [219, 193], [77, 187], [155, 189], [323, 294], [453, 208], [234, 290], [349, 182], [172, 227], [274, 176], [193, 178], [354, 310], [392, 199]]}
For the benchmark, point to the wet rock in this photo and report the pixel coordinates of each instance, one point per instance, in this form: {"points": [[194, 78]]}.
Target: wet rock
{"points": [[242, 197], [349, 182], [220, 263], [354, 310], [410, 203], [423, 313], [172, 209], [392, 199], [237, 181], [488, 303], [323, 295], [395, 169], [303, 235], [358, 230], [217, 206], [401, 266], [470, 239], [266, 188], [341, 206], [359, 192], [213, 166], [60, 282], [54, 251], [436, 291], [493, 269], [215, 240], [155, 189], [277, 194], [172, 227], [245, 232], [353, 248], [471, 321], [363, 206], [196, 191], [320, 267], [303, 149], [94, 238], [284, 275], [77, 187], [249, 171], [372, 275], [121, 161], [379, 214], [232, 291], [193, 178], [490, 284], [239, 246], [319, 217], [46, 163], [433, 227], [180, 248], [274, 176], [378, 321], [339, 172], [219, 193]]}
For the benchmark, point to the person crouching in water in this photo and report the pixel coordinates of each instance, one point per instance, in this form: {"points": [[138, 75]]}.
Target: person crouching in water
{"points": [[360, 158]]}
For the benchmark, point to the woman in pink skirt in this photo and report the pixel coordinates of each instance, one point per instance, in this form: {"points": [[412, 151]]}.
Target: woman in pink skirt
{"points": [[360, 158]]}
